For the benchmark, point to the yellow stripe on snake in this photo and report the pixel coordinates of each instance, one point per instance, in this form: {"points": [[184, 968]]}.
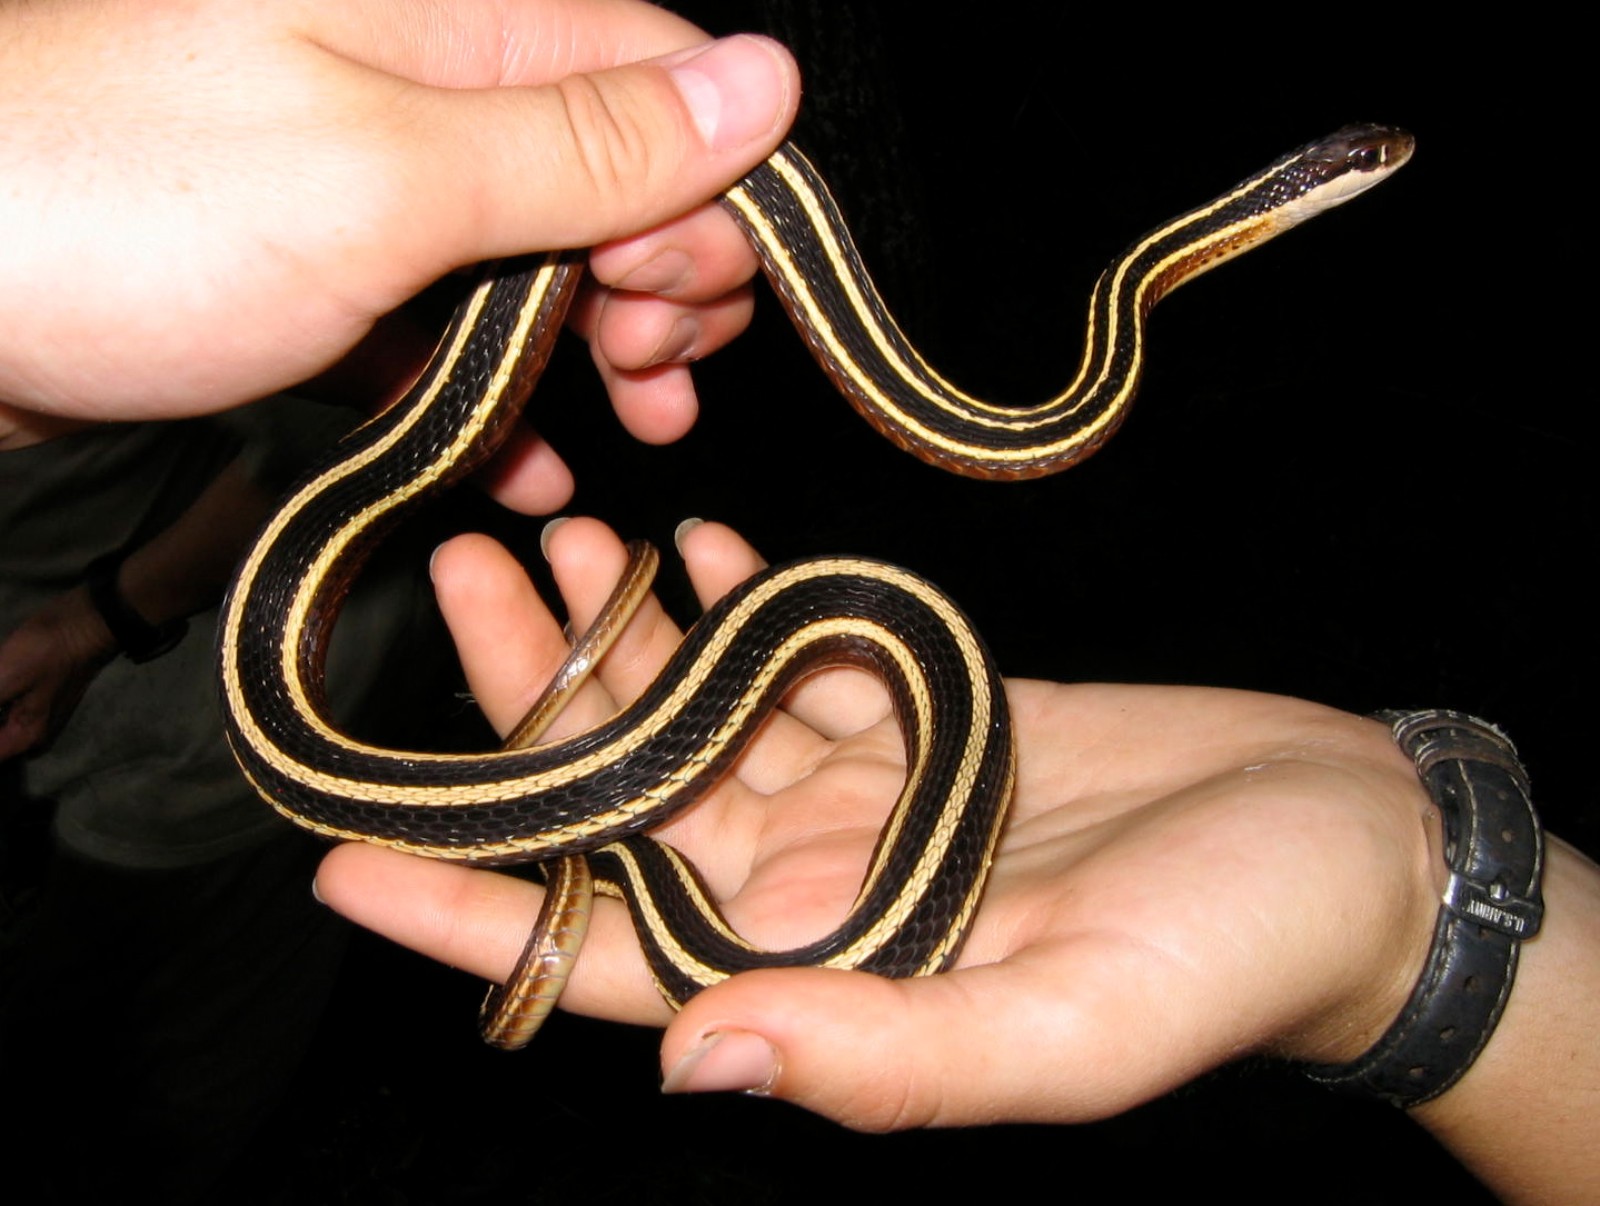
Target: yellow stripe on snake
{"points": [[595, 792]]}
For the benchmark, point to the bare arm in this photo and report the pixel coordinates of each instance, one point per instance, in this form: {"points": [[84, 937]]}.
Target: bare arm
{"points": [[1523, 1119], [50, 658]]}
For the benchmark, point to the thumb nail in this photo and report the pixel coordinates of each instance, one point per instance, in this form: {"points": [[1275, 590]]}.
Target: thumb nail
{"points": [[734, 88], [728, 1061]]}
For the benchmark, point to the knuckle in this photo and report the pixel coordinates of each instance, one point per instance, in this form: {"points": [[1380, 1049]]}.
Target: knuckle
{"points": [[889, 1106], [614, 143]]}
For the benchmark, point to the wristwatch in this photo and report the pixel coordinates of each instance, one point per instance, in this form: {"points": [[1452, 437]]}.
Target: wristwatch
{"points": [[1495, 851]]}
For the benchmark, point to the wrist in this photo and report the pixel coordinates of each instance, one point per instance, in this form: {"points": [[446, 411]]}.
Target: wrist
{"points": [[1376, 916], [1372, 975], [1490, 905], [139, 636]]}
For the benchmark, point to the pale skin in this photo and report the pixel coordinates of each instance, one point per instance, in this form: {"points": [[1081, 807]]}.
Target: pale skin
{"points": [[274, 178], [1194, 875], [347, 156]]}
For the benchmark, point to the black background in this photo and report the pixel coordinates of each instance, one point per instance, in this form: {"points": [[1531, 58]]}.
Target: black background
{"points": [[1357, 473]]}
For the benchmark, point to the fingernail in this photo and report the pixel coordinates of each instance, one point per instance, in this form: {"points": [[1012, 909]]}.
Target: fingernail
{"points": [[547, 531], [682, 530], [727, 1061], [734, 89], [315, 895]]}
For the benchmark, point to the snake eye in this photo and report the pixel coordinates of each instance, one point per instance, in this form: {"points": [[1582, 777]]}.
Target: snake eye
{"points": [[1365, 159]]}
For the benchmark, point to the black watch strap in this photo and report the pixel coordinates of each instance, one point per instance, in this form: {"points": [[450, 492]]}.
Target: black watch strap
{"points": [[1495, 851], [137, 638]]}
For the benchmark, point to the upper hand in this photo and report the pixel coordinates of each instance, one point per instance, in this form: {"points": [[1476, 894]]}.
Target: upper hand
{"points": [[220, 200], [1188, 875]]}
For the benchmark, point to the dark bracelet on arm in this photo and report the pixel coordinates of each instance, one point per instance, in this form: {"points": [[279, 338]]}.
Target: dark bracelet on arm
{"points": [[1495, 851], [137, 638]]}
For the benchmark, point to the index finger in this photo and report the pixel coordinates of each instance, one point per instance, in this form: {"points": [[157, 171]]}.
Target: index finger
{"points": [[478, 921]]}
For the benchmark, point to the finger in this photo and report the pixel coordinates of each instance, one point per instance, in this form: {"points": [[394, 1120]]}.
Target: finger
{"points": [[509, 643], [696, 258], [642, 347], [674, 294], [637, 331], [719, 559], [588, 559], [834, 703], [657, 405], [1003, 1043], [478, 921], [528, 475], [595, 157]]}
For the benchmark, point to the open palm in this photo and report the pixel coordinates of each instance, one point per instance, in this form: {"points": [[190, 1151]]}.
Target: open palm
{"points": [[1181, 880]]}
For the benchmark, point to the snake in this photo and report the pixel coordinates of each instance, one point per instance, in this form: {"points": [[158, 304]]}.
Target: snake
{"points": [[596, 793]]}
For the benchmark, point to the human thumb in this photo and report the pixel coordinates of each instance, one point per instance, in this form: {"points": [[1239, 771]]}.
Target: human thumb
{"points": [[870, 1053], [597, 156]]}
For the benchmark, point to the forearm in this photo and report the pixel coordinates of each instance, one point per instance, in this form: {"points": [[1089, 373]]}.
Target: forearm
{"points": [[185, 568], [1526, 1117]]}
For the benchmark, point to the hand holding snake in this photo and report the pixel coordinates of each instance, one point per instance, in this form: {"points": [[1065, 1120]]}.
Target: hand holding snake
{"points": [[1102, 820], [1166, 848], [1188, 876], [336, 159]]}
